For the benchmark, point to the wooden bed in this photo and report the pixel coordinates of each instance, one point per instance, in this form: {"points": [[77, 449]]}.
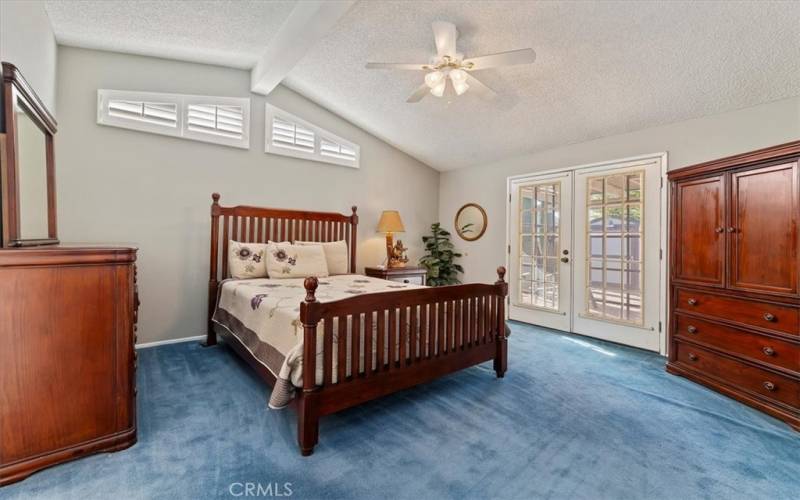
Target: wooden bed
{"points": [[422, 334]]}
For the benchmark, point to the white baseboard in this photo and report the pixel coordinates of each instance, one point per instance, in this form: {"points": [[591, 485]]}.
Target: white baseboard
{"points": [[169, 341]]}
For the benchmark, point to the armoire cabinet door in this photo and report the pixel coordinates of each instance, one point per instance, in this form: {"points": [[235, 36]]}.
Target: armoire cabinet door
{"points": [[699, 231], [765, 212]]}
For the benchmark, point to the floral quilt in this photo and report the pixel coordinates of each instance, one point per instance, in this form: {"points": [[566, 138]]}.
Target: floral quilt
{"points": [[264, 315]]}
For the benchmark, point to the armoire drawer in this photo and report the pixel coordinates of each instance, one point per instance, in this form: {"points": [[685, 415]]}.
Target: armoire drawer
{"points": [[747, 312], [765, 349], [738, 374]]}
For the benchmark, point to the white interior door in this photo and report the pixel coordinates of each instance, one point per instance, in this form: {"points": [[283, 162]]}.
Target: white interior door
{"points": [[540, 234], [617, 234]]}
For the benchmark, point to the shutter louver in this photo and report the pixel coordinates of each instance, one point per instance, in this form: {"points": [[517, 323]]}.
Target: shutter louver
{"points": [[164, 114], [225, 121], [290, 135], [334, 150]]}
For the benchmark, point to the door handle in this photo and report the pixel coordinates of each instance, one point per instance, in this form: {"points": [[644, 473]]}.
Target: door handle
{"points": [[565, 259]]}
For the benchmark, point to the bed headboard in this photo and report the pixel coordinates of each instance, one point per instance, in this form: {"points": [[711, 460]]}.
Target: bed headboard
{"points": [[258, 225]]}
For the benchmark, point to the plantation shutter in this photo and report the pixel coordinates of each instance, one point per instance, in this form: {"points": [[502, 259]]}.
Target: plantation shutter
{"points": [[335, 150], [226, 121], [164, 114], [286, 134]]}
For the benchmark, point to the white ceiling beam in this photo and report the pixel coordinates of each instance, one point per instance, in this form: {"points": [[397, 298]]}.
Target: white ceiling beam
{"points": [[309, 21]]}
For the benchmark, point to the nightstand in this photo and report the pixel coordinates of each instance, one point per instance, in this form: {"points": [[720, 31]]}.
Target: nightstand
{"points": [[412, 275]]}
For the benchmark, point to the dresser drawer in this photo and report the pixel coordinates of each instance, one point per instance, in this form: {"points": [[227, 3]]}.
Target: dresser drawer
{"points": [[758, 347], [748, 312], [731, 372], [412, 279]]}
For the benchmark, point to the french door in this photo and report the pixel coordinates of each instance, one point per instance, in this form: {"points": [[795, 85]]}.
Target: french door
{"points": [[541, 238], [585, 251]]}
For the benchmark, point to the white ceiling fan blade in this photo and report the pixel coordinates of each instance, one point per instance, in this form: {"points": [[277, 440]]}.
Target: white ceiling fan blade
{"points": [[444, 35], [521, 56], [413, 67], [479, 88], [418, 94]]}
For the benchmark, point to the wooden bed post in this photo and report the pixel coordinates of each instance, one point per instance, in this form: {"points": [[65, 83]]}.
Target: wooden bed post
{"points": [[353, 241], [307, 411], [501, 356], [213, 282]]}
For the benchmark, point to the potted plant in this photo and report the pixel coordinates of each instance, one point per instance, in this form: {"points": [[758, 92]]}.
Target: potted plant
{"points": [[440, 258]]}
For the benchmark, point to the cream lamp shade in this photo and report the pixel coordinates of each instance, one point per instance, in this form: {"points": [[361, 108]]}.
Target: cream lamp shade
{"points": [[390, 222]]}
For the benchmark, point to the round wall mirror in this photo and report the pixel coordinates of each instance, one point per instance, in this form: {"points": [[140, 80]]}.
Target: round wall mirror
{"points": [[471, 221]]}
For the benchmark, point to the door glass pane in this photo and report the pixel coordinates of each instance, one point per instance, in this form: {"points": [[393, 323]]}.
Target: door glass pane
{"points": [[614, 238], [614, 188], [596, 219], [539, 230]]}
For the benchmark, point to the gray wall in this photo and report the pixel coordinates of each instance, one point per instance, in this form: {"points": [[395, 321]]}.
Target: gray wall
{"points": [[686, 143], [117, 185], [27, 41]]}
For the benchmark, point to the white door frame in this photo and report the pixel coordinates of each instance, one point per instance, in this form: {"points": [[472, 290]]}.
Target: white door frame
{"points": [[664, 223]]}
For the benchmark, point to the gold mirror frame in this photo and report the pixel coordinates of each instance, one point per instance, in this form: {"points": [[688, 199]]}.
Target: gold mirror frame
{"points": [[483, 215]]}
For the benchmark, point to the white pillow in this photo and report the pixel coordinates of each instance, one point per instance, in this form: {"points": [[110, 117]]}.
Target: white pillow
{"points": [[335, 254], [247, 260], [295, 261]]}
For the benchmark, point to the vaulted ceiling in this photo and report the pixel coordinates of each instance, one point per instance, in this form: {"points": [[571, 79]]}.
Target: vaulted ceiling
{"points": [[602, 68]]}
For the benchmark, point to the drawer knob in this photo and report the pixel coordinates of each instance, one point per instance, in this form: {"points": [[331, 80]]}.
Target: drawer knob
{"points": [[691, 329], [769, 351], [692, 302], [720, 229], [406, 281], [731, 229], [769, 317], [693, 356], [769, 386]]}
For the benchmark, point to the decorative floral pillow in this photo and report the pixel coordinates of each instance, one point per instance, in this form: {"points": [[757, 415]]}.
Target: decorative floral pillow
{"points": [[335, 254], [247, 260], [295, 261]]}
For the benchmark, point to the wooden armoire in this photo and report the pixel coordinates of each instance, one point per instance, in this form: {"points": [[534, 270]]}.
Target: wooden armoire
{"points": [[735, 278]]}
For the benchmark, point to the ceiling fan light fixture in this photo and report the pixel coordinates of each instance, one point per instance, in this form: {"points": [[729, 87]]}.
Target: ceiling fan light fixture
{"points": [[458, 75], [434, 78], [460, 87], [438, 89]]}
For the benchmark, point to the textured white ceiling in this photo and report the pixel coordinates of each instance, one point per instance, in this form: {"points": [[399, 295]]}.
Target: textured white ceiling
{"points": [[602, 68], [226, 33]]}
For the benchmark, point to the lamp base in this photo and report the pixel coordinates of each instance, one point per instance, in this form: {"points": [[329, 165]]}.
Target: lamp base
{"points": [[389, 250]]}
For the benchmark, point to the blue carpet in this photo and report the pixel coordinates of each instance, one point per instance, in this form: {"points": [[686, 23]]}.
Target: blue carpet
{"points": [[574, 418]]}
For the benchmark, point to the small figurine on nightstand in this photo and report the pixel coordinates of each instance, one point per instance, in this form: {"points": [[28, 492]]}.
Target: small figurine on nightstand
{"points": [[398, 258]]}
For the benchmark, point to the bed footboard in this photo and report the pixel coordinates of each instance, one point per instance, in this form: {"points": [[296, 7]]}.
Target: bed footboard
{"points": [[386, 342]]}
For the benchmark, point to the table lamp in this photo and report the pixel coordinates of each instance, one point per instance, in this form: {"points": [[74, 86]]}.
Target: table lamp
{"points": [[390, 223]]}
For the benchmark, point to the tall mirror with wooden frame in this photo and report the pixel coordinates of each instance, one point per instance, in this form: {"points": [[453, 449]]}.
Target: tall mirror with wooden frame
{"points": [[27, 165]]}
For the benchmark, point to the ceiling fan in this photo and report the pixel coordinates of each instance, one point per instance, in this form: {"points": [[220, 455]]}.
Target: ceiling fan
{"points": [[448, 64]]}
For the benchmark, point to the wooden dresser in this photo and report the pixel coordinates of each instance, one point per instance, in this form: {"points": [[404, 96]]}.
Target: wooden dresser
{"points": [[735, 278], [67, 359]]}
